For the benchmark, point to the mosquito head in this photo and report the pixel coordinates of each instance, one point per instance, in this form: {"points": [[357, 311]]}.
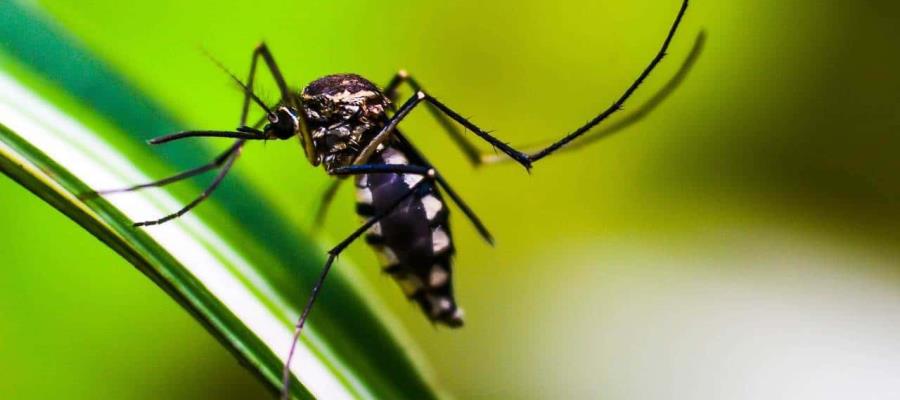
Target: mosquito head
{"points": [[343, 112], [283, 124]]}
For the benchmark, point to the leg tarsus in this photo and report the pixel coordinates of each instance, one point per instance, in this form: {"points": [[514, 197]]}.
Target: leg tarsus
{"points": [[617, 105], [216, 163], [636, 115], [229, 162], [525, 159]]}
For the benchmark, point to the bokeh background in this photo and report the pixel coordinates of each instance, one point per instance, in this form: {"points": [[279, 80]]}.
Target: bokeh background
{"points": [[741, 242]]}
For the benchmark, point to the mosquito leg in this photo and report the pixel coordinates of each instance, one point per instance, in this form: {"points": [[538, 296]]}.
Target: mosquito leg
{"points": [[482, 230], [408, 106], [525, 159], [469, 150], [229, 162], [216, 163], [621, 101], [332, 254], [388, 129], [244, 134], [522, 158], [634, 117], [473, 218], [384, 169], [262, 50], [288, 98], [224, 160]]}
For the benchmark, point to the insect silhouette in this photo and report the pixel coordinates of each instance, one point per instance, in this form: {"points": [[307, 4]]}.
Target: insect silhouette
{"points": [[350, 126]]}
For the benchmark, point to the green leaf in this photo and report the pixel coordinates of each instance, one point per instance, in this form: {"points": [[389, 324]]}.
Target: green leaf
{"points": [[237, 267]]}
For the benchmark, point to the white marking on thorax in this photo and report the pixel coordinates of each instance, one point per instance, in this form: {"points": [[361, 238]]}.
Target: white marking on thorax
{"points": [[439, 240], [432, 206], [347, 95]]}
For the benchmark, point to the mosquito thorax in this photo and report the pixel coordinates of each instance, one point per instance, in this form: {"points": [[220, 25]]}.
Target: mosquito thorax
{"points": [[343, 113]]}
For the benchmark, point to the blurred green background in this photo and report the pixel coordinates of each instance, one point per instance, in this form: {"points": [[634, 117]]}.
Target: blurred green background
{"points": [[741, 242]]}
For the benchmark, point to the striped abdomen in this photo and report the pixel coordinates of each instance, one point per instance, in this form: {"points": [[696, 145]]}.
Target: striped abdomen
{"points": [[413, 241]]}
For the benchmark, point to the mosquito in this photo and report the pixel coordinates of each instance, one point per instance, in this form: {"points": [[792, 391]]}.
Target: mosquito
{"points": [[349, 125]]}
